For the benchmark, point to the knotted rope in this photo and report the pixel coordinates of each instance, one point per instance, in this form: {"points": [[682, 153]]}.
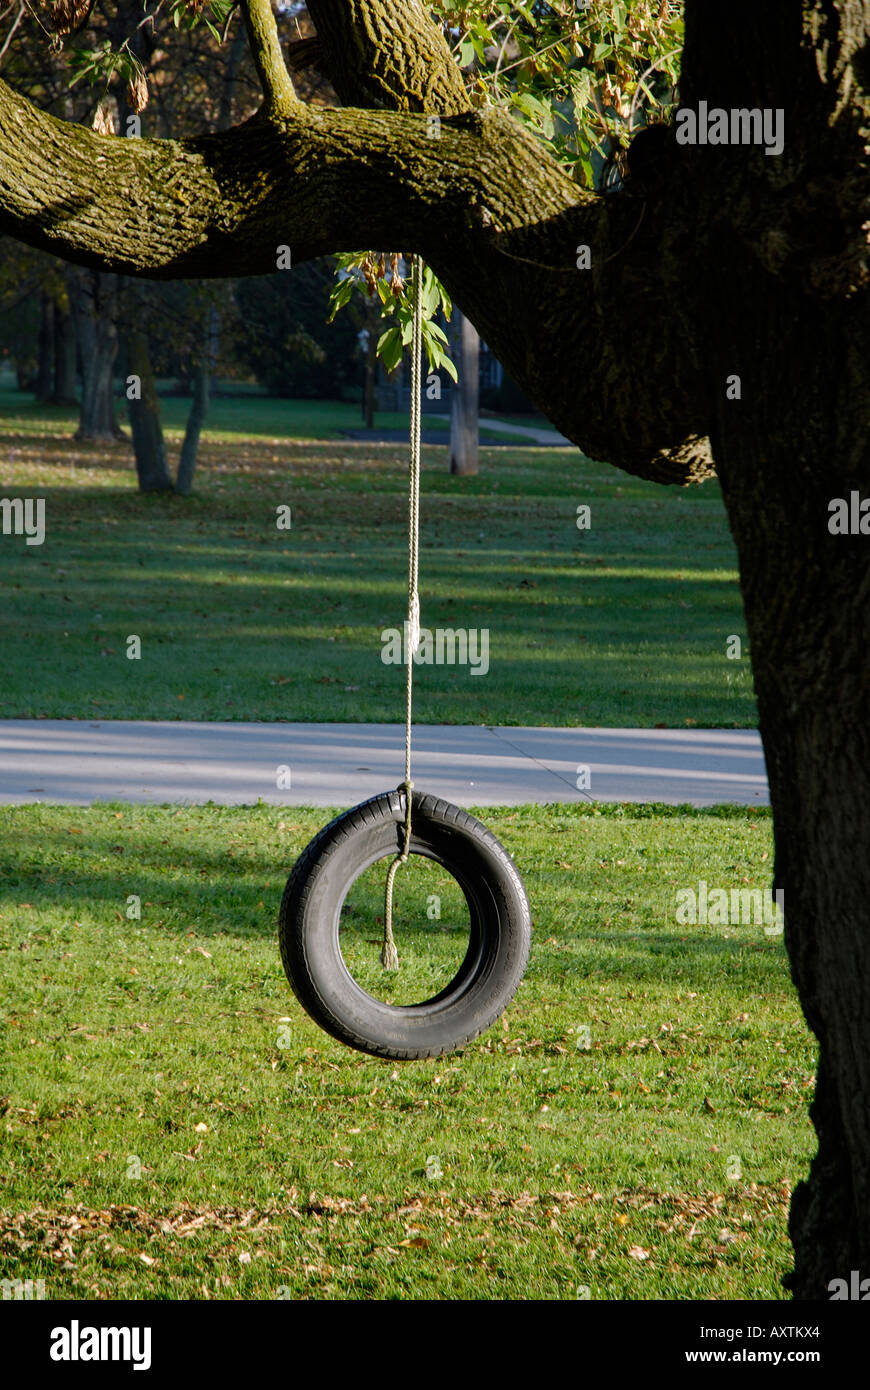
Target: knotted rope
{"points": [[389, 954]]}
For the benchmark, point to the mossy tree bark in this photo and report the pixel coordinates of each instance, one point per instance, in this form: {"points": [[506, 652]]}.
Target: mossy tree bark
{"points": [[780, 276], [733, 264]]}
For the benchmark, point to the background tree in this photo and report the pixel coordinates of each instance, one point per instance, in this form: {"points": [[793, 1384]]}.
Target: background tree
{"points": [[281, 333], [465, 397], [723, 269], [77, 323], [36, 322], [130, 70]]}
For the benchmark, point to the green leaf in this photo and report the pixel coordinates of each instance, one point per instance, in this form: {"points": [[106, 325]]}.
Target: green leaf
{"points": [[341, 294], [390, 348], [538, 113], [449, 367], [434, 330], [581, 88]]}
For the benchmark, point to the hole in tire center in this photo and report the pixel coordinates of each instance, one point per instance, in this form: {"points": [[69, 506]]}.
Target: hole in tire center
{"points": [[431, 928]]}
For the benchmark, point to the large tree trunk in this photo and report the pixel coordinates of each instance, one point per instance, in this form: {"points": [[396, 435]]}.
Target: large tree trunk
{"points": [[465, 398], [792, 321], [807, 601], [93, 304]]}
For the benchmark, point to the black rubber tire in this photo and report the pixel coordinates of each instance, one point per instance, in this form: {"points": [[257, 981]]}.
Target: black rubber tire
{"points": [[500, 927]]}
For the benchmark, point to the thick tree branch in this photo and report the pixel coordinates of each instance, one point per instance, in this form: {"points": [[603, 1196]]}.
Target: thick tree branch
{"points": [[389, 55], [497, 218], [318, 179], [483, 202], [278, 89]]}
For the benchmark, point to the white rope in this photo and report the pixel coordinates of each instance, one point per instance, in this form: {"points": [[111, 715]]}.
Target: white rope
{"points": [[389, 954]]}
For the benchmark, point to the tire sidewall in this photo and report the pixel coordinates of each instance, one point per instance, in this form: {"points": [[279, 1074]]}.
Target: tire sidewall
{"points": [[500, 927]]}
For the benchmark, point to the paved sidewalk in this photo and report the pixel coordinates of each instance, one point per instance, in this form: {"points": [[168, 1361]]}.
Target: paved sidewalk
{"points": [[79, 761], [493, 435], [535, 434]]}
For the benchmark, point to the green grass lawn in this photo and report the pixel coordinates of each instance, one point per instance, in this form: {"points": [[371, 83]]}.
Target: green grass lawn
{"points": [[622, 624], [174, 1126]]}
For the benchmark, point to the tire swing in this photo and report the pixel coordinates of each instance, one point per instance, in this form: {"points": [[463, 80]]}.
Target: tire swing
{"points": [[403, 823]]}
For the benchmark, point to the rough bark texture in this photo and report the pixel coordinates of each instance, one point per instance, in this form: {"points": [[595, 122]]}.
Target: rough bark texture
{"points": [[728, 263], [390, 56], [789, 301]]}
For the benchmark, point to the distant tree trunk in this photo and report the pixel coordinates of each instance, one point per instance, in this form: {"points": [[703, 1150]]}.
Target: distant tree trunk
{"points": [[64, 357], [370, 388], [238, 49], [215, 326], [92, 301], [152, 465], [45, 369], [371, 383], [195, 422], [24, 371], [465, 397]]}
